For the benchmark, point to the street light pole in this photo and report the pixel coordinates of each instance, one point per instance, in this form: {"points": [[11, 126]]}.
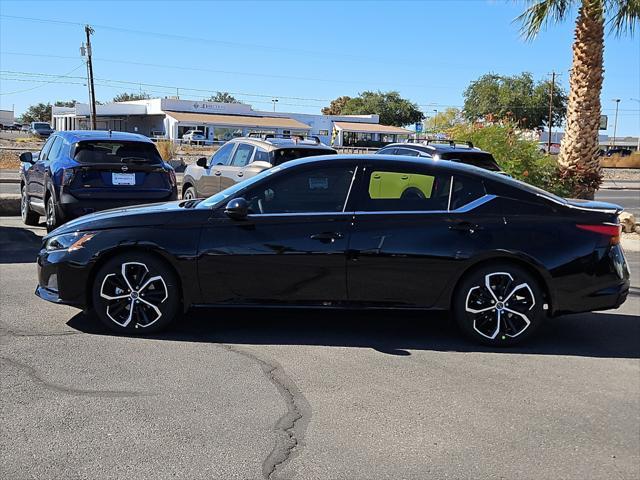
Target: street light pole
{"points": [[274, 100], [435, 121], [615, 122], [553, 84]]}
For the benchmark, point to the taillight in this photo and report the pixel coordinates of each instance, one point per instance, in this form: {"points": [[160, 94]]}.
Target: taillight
{"points": [[68, 175], [172, 178], [610, 230]]}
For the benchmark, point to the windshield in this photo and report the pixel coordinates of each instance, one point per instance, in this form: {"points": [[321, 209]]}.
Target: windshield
{"points": [[231, 191], [107, 151], [41, 125]]}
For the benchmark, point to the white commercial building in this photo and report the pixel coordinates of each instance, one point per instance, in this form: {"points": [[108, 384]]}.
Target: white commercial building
{"points": [[171, 118]]}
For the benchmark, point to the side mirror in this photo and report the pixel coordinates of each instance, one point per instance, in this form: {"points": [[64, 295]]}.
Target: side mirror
{"points": [[202, 162], [237, 209], [260, 164], [26, 157]]}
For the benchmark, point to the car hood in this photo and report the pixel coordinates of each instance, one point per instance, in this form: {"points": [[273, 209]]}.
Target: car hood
{"points": [[137, 216]]}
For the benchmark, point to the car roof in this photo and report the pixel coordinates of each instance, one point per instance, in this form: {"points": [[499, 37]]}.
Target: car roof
{"points": [[74, 136], [436, 147], [271, 144]]}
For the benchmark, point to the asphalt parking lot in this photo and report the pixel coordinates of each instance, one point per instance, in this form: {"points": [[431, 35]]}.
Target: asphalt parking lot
{"points": [[252, 394]]}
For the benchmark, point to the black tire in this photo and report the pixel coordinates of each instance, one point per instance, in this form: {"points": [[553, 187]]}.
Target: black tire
{"points": [[52, 216], [29, 217], [190, 194], [152, 304], [515, 298]]}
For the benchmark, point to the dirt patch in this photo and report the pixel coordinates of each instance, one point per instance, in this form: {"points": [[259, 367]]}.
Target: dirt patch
{"points": [[9, 159]]}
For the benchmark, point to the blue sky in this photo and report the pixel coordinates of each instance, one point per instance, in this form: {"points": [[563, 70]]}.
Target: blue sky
{"points": [[303, 53]]}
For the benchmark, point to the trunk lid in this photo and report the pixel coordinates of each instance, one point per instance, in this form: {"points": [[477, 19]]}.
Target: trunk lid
{"points": [[594, 205]]}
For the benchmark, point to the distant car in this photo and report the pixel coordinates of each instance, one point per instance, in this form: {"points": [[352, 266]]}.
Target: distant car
{"points": [[544, 148], [194, 136], [80, 172], [41, 129], [24, 128], [244, 157], [444, 150], [623, 152]]}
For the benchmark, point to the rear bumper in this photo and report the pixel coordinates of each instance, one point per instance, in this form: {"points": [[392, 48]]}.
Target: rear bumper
{"points": [[604, 285], [72, 207]]}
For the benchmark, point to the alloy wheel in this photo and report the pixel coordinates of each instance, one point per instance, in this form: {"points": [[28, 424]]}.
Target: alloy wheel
{"points": [[500, 306], [133, 296], [51, 214]]}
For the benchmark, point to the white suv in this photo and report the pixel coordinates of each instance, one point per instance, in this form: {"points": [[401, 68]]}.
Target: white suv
{"points": [[244, 157]]}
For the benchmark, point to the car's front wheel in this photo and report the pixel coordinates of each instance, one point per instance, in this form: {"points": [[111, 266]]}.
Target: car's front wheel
{"points": [[29, 217], [136, 293], [499, 305]]}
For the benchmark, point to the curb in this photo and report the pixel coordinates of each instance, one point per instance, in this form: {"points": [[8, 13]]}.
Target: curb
{"points": [[10, 204], [9, 180]]}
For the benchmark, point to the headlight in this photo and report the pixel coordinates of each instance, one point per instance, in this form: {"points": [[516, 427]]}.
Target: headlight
{"points": [[68, 241]]}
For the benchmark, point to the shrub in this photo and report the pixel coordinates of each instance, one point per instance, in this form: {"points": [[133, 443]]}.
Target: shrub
{"points": [[167, 149], [517, 156]]}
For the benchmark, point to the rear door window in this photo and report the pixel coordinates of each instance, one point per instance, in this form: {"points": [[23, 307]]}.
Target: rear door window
{"points": [[465, 190], [242, 155], [407, 151]]}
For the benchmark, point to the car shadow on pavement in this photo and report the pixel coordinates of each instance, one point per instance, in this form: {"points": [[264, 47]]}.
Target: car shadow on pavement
{"points": [[607, 335], [19, 245]]}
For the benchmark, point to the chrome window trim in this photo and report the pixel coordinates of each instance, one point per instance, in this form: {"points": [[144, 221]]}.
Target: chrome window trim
{"points": [[464, 209]]}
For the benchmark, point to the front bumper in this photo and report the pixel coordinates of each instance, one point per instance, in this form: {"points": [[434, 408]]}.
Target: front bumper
{"points": [[62, 279]]}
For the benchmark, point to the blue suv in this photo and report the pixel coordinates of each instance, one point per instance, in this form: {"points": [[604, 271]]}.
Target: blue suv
{"points": [[80, 172]]}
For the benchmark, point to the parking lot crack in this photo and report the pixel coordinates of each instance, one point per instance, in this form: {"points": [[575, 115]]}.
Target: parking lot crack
{"points": [[34, 375], [291, 426]]}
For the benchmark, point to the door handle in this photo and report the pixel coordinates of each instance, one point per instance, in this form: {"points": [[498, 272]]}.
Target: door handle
{"points": [[327, 237], [217, 172], [240, 174], [465, 227]]}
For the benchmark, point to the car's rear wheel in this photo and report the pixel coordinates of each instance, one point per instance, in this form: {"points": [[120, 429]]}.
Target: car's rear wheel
{"points": [[499, 305], [29, 217], [136, 293], [51, 214], [189, 194]]}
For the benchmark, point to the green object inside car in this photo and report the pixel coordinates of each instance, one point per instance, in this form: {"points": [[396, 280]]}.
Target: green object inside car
{"points": [[393, 185]]}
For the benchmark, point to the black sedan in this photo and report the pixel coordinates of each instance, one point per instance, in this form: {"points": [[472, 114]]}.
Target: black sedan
{"points": [[343, 232]]}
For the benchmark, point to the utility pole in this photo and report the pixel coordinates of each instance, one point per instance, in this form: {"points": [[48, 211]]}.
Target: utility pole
{"points": [[638, 144], [615, 122], [92, 94], [552, 88]]}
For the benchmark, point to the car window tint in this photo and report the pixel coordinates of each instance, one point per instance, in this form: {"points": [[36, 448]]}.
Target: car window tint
{"points": [[44, 153], [478, 159], [242, 155], [387, 151], [465, 190], [407, 151], [114, 151], [307, 191], [261, 155], [223, 155], [405, 190], [54, 153], [285, 154]]}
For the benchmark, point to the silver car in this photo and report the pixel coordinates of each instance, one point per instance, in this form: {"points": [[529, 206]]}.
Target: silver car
{"points": [[242, 158]]}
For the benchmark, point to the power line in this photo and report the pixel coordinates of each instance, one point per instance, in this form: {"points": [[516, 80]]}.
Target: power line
{"points": [[46, 83]]}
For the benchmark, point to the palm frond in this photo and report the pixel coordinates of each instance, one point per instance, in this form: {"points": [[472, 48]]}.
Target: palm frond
{"points": [[624, 16], [540, 12]]}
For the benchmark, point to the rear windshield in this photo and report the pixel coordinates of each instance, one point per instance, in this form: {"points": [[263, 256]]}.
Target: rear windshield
{"points": [[285, 154], [41, 125], [478, 159], [107, 151]]}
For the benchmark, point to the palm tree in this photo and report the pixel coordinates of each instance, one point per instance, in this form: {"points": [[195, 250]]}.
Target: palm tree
{"points": [[579, 150]]}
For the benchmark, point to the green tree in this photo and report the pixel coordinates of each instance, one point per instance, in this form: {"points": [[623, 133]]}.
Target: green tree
{"points": [[223, 97], [579, 149], [336, 106], [41, 112], [392, 108], [448, 118], [128, 97], [515, 98]]}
